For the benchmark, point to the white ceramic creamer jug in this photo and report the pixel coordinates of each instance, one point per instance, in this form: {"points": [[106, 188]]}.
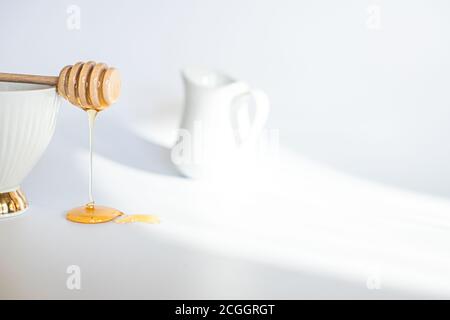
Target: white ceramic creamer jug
{"points": [[217, 129]]}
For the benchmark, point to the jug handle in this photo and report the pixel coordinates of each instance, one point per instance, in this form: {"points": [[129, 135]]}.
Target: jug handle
{"points": [[262, 105]]}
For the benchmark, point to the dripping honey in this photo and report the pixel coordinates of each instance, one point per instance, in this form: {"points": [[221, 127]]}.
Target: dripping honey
{"points": [[92, 213]]}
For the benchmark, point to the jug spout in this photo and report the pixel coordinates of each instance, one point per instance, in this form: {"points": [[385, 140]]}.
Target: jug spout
{"points": [[200, 79], [205, 78]]}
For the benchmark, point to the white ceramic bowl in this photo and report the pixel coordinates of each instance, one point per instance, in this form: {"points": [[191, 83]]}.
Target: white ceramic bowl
{"points": [[27, 122]]}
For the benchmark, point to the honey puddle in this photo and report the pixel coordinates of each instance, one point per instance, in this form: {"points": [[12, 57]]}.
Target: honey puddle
{"points": [[92, 213], [145, 218]]}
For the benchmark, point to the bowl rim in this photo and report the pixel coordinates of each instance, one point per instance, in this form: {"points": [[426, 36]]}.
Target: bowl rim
{"points": [[41, 88]]}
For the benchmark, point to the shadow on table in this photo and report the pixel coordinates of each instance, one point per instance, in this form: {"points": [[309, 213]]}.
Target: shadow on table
{"points": [[119, 144], [57, 174]]}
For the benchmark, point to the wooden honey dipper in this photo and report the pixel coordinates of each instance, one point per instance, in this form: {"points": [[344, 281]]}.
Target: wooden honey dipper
{"points": [[88, 85]]}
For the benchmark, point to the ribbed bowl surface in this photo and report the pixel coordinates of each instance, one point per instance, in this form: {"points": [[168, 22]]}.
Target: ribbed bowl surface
{"points": [[27, 122]]}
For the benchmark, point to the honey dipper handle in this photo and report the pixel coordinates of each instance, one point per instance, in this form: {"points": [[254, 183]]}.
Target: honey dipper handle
{"points": [[28, 78]]}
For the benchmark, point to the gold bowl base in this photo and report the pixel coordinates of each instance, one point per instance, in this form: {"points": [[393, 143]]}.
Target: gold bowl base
{"points": [[12, 203]]}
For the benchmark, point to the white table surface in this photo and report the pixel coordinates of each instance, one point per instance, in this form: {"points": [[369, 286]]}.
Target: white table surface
{"points": [[297, 230]]}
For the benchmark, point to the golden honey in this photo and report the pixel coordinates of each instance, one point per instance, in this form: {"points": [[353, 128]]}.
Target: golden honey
{"points": [[143, 218], [92, 213]]}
